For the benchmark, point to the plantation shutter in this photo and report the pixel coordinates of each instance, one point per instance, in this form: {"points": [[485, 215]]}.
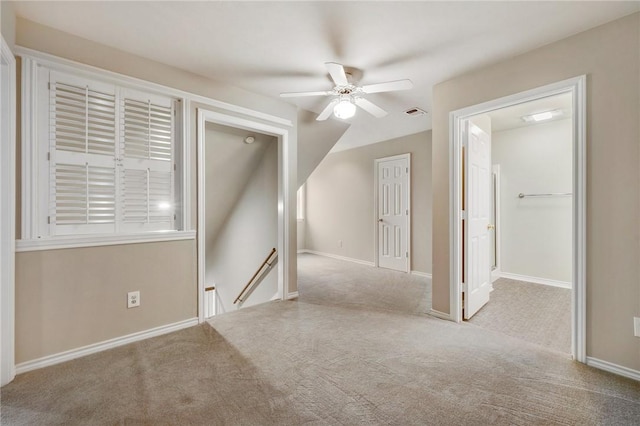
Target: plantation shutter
{"points": [[147, 155], [82, 132]]}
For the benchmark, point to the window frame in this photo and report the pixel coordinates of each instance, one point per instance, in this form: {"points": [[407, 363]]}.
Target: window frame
{"points": [[34, 157]]}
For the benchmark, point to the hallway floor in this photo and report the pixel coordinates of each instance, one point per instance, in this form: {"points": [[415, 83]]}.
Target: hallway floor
{"points": [[326, 281]]}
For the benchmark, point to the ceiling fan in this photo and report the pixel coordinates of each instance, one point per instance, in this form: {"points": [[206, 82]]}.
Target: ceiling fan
{"points": [[347, 95]]}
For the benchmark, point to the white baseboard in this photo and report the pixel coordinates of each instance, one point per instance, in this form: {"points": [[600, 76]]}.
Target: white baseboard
{"points": [[613, 368], [292, 295], [441, 315], [536, 280], [421, 274], [335, 256], [102, 346]]}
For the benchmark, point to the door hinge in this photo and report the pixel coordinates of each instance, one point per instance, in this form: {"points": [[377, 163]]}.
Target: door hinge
{"points": [[464, 287], [48, 156], [175, 167], [407, 254], [407, 169], [49, 220], [174, 217], [463, 215], [407, 212], [49, 86]]}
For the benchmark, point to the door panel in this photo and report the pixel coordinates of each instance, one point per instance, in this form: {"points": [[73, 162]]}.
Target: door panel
{"points": [[477, 225], [393, 213]]}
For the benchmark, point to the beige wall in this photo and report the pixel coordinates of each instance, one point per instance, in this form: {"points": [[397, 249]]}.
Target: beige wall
{"points": [[178, 283], [535, 232], [70, 298], [610, 57], [340, 200]]}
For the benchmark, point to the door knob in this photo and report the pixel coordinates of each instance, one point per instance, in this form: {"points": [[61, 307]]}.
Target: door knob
{"points": [[379, 220], [490, 226]]}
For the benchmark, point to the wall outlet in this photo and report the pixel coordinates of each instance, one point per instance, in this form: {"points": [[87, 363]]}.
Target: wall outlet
{"points": [[133, 299], [636, 326]]}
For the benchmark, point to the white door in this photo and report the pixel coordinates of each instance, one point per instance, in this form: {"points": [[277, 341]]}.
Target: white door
{"points": [[477, 247], [393, 212]]}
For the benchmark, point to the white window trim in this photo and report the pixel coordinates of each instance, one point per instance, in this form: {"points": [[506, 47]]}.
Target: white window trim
{"points": [[102, 240], [29, 159], [31, 210]]}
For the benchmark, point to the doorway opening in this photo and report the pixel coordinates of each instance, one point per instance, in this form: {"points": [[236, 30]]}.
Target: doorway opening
{"points": [[243, 212], [528, 231]]}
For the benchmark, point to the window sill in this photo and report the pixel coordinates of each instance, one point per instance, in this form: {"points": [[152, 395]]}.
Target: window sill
{"points": [[77, 241]]}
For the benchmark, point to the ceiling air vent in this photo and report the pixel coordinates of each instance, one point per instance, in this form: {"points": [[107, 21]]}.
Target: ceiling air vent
{"points": [[415, 111]]}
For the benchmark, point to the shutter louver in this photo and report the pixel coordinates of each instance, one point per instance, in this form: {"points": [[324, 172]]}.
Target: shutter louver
{"points": [[147, 130], [134, 188], [84, 194], [111, 158], [147, 176], [84, 119], [83, 148]]}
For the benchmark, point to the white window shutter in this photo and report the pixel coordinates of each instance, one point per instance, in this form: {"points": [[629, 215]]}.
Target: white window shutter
{"points": [[82, 156], [147, 154]]}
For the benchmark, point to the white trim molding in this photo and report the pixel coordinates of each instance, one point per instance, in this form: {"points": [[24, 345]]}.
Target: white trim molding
{"points": [[106, 240], [7, 212], [285, 193], [421, 274], [103, 346], [336, 256], [536, 280], [613, 368], [577, 88]]}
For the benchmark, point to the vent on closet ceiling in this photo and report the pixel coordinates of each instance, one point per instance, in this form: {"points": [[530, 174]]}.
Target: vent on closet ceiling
{"points": [[415, 111]]}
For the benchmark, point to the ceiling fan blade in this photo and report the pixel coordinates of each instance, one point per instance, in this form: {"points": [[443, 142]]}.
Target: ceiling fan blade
{"points": [[389, 86], [297, 94], [337, 73], [370, 107], [326, 112]]}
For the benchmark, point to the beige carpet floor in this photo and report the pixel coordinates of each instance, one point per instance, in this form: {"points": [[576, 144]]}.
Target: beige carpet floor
{"points": [[294, 363], [536, 313], [332, 282]]}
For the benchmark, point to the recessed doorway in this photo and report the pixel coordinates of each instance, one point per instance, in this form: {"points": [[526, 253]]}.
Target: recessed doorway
{"points": [[472, 228]]}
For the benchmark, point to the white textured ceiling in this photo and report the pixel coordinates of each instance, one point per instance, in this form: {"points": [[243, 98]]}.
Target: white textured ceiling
{"points": [[511, 117], [273, 47]]}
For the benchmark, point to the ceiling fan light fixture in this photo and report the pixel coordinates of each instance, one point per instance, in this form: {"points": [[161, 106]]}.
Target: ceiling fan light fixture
{"points": [[345, 108]]}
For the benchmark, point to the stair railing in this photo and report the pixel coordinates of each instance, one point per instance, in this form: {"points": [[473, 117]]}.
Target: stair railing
{"points": [[254, 279]]}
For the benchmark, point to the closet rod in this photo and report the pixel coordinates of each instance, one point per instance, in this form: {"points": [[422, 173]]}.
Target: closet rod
{"points": [[557, 194]]}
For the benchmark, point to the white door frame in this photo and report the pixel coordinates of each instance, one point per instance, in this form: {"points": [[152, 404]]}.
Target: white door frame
{"points": [[7, 213], [377, 161], [282, 133], [577, 87], [495, 177]]}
